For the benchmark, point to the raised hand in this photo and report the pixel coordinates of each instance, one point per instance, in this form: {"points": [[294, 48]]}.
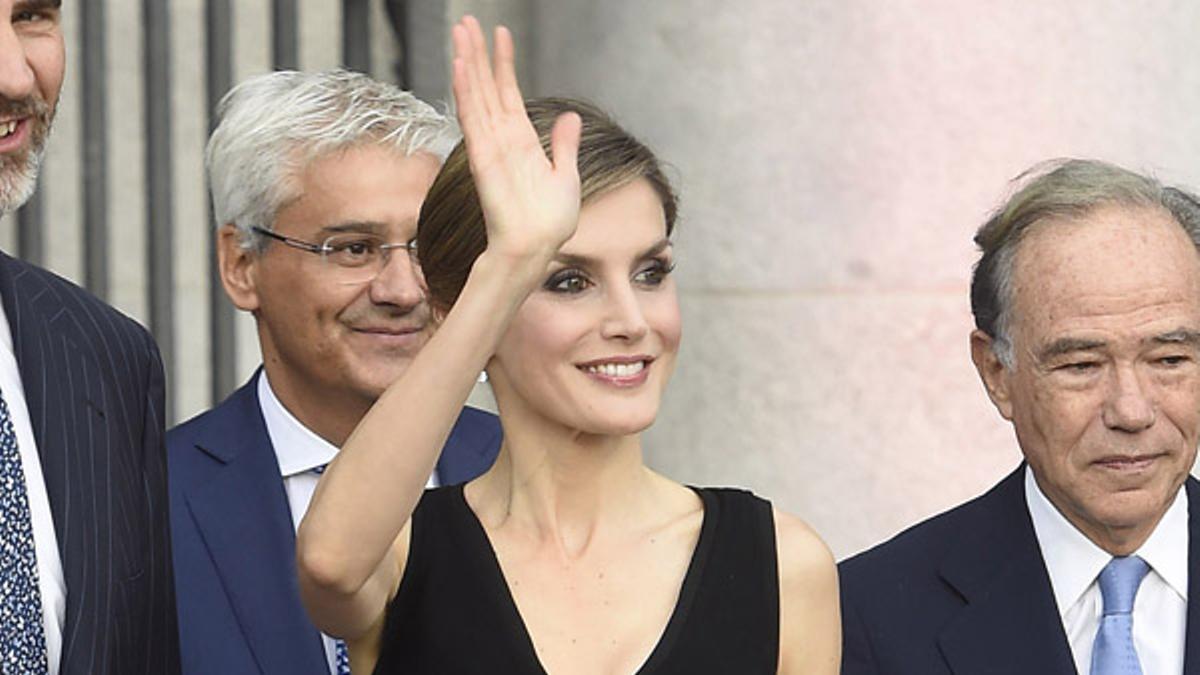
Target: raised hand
{"points": [[530, 203]]}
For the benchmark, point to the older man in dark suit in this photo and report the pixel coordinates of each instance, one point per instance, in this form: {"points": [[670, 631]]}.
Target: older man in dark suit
{"points": [[1087, 307], [84, 554]]}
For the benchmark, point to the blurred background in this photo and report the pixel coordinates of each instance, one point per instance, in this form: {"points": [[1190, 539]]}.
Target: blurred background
{"points": [[834, 158]]}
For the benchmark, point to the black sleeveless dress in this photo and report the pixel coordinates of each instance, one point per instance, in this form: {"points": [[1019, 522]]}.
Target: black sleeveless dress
{"points": [[453, 613]]}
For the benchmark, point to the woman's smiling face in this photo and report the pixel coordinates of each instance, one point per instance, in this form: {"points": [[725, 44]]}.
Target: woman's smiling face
{"points": [[592, 348]]}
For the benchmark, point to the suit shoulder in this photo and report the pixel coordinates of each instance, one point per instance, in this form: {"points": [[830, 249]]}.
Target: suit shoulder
{"points": [[187, 463], [184, 432], [80, 301], [237, 414], [918, 548]]}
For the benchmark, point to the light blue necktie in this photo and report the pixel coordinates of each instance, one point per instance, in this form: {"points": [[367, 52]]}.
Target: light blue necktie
{"points": [[1113, 652], [341, 656], [22, 637]]}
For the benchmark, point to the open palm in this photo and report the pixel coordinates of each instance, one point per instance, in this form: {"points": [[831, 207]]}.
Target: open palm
{"points": [[530, 202]]}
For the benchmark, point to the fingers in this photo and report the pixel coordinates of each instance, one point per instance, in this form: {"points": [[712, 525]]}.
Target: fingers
{"points": [[469, 104], [506, 72], [564, 143], [481, 65]]}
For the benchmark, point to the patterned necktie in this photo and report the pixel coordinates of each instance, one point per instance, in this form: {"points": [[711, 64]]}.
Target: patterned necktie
{"points": [[343, 658], [22, 637], [1113, 652]]}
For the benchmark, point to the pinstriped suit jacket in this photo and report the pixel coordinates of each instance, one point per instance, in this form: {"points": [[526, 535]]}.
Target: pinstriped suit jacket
{"points": [[94, 386]]}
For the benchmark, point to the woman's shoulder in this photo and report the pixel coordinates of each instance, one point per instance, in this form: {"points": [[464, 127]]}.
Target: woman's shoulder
{"points": [[733, 499], [798, 546], [810, 621], [801, 550]]}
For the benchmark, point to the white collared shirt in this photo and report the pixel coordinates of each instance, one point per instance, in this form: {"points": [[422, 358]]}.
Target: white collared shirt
{"points": [[299, 451], [1074, 563], [51, 582]]}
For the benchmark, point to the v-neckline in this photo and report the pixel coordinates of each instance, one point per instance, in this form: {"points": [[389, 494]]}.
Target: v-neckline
{"points": [[519, 632]]}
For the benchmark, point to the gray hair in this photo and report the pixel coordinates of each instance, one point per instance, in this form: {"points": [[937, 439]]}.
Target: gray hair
{"points": [[273, 125], [1057, 189]]}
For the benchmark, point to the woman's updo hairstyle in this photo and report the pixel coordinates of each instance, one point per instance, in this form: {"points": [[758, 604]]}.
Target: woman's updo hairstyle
{"points": [[451, 232]]}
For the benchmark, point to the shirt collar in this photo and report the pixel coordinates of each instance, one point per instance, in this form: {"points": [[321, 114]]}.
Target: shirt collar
{"points": [[1166, 550], [297, 448], [1073, 561]]}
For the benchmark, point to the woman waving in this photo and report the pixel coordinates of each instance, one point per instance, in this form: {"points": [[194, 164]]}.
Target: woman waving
{"points": [[545, 244]]}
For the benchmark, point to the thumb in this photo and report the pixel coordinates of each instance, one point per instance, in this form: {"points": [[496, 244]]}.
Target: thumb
{"points": [[564, 142]]}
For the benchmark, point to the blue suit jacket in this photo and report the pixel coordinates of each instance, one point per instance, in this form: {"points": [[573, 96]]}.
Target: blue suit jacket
{"points": [[235, 549], [93, 385], [967, 593]]}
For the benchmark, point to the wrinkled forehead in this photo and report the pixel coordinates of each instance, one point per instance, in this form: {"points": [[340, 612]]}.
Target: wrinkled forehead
{"points": [[1114, 261]]}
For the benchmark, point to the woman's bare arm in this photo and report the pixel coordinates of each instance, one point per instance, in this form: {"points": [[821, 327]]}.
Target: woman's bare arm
{"points": [[350, 548]]}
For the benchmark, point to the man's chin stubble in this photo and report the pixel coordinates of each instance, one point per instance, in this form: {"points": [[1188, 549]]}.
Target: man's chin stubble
{"points": [[18, 180], [19, 173]]}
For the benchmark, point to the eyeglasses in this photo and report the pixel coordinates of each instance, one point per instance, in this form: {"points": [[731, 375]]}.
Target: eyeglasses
{"points": [[353, 257]]}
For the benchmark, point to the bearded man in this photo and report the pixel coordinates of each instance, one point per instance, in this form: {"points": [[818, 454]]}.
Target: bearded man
{"points": [[84, 550]]}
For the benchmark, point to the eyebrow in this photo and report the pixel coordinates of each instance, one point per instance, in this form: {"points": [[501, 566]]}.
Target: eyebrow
{"points": [[355, 226], [1184, 336], [572, 260], [25, 5], [1068, 345]]}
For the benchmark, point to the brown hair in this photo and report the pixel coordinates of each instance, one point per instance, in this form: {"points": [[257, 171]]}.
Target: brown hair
{"points": [[451, 232]]}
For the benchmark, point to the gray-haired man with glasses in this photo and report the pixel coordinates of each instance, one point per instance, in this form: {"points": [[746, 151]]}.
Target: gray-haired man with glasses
{"points": [[317, 180]]}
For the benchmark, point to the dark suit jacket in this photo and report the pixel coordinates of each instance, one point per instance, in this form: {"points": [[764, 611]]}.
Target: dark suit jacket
{"points": [[93, 384], [967, 593], [235, 549]]}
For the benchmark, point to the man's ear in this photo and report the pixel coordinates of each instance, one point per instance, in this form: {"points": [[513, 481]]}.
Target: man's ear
{"points": [[992, 371], [238, 267]]}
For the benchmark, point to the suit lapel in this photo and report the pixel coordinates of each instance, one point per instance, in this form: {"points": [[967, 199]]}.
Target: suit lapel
{"points": [[43, 356], [64, 395], [248, 532], [1191, 650], [1010, 623]]}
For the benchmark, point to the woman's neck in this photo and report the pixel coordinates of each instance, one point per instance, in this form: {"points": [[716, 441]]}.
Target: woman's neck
{"points": [[566, 487]]}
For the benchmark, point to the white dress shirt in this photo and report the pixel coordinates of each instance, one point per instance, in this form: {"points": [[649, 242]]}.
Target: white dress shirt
{"points": [[1074, 564], [298, 450], [51, 582]]}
